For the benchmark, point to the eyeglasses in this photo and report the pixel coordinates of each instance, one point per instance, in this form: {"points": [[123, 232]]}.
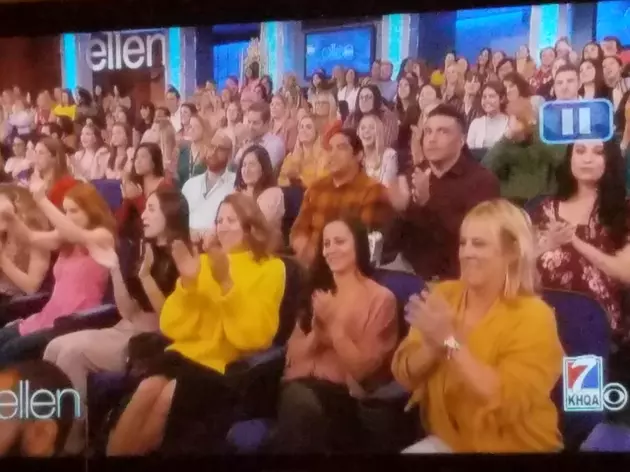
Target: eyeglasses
{"points": [[214, 147], [365, 98]]}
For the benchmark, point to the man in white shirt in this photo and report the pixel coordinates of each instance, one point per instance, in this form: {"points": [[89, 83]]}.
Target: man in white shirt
{"points": [[258, 119], [204, 193], [173, 104]]}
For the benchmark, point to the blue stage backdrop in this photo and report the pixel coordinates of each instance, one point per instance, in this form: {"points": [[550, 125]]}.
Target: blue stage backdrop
{"points": [[348, 47], [613, 19]]}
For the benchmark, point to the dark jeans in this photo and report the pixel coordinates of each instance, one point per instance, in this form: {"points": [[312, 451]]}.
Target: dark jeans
{"points": [[316, 417], [14, 347]]}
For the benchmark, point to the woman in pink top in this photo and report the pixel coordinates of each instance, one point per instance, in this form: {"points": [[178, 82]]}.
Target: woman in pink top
{"points": [[340, 349], [84, 236]]}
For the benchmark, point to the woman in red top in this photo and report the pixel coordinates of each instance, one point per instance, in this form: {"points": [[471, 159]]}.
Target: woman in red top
{"points": [[584, 230], [51, 164]]}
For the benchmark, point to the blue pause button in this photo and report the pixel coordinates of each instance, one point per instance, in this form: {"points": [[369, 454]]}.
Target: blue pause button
{"points": [[564, 122]]}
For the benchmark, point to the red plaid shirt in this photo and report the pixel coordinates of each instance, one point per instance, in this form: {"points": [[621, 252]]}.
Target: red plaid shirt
{"points": [[362, 198]]}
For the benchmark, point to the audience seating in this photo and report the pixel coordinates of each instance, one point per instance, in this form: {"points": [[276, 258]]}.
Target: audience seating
{"points": [[583, 329], [608, 438], [110, 191], [387, 426], [293, 196]]}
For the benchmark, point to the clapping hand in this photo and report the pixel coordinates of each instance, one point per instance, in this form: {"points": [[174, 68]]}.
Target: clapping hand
{"points": [[430, 314], [147, 261], [37, 186], [129, 189], [187, 263], [421, 186], [218, 260], [558, 234]]}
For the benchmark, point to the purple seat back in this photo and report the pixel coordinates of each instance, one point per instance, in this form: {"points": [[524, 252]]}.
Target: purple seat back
{"points": [[608, 438], [403, 285], [110, 191], [583, 329]]}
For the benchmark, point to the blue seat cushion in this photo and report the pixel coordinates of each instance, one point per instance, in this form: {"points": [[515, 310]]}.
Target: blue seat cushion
{"points": [[608, 438], [248, 436]]}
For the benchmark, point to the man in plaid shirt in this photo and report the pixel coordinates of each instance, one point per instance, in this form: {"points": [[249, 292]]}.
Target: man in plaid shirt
{"points": [[346, 192]]}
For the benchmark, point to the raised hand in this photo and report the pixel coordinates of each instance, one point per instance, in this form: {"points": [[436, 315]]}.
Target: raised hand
{"points": [[37, 186], [219, 262], [147, 261], [557, 234], [323, 306], [430, 314], [421, 188], [130, 190], [186, 262]]}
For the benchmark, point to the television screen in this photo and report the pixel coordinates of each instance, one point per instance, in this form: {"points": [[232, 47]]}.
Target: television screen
{"points": [[351, 47]]}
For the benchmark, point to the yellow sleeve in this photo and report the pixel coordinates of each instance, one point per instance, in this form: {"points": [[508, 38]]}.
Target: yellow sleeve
{"points": [[287, 166], [181, 314], [412, 343], [529, 366], [251, 309]]}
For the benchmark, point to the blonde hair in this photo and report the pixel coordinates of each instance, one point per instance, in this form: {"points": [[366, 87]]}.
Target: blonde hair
{"points": [[380, 133], [517, 238], [327, 95]]}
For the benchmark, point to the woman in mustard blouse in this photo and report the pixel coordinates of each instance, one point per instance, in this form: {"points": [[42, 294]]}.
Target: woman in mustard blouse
{"points": [[225, 305], [483, 352]]}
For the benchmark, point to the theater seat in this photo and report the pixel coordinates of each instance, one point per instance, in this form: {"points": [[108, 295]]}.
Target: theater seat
{"points": [[583, 329], [608, 438], [110, 191]]}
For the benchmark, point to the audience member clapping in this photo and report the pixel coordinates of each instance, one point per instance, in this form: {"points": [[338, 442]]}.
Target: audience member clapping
{"points": [[84, 233], [583, 229], [339, 350], [255, 178], [225, 305], [90, 161], [483, 352]]}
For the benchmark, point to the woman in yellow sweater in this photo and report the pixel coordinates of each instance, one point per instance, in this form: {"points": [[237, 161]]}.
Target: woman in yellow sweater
{"points": [[225, 306], [483, 352]]}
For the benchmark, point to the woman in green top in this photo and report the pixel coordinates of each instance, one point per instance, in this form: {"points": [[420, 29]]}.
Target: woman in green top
{"points": [[192, 154]]}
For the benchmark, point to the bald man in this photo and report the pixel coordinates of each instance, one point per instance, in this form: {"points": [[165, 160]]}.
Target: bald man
{"points": [[205, 192], [22, 434]]}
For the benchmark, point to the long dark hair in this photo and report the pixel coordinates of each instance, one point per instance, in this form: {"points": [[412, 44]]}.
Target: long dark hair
{"points": [[611, 190], [156, 158], [320, 276], [601, 90], [267, 179], [378, 102], [176, 213]]}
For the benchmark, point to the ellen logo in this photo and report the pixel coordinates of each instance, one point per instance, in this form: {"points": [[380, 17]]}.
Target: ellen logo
{"points": [[115, 52]]}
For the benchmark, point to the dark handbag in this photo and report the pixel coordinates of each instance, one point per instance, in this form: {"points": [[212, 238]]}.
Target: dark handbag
{"points": [[142, 350]]}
